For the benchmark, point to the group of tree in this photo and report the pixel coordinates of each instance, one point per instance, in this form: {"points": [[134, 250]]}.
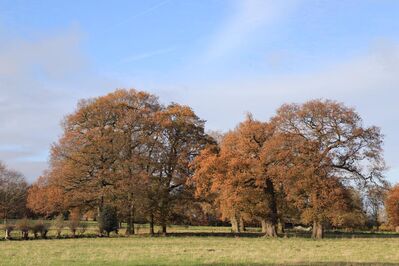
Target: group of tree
{"points": [[309, 164], [130, 158], [13, 194], [127, 152]]}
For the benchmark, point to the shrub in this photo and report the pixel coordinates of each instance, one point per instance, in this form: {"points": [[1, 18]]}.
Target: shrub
{"points": [[40, 228], [8, 228], [59, 224], [23, 226], [108, 220], [74, 221], [386, 227], [82, 228], [73, 226]]}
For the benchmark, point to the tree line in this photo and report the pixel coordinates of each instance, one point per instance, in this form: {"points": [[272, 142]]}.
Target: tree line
{"points": [[126, 153]]}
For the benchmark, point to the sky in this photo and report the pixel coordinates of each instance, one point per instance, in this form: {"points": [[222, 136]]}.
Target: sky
{"points": [[224, 58]]}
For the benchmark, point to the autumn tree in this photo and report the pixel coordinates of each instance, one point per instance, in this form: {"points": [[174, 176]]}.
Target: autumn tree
{"points": [[374, 201], [83, 162], [331, 149], [124, 150], [45, 198], [13, 192], [98, 159], [139, 125], [392, 206], [237, 178], [179, 139]]}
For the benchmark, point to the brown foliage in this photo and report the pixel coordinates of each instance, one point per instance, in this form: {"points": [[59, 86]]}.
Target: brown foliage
{"points": [[236, 177], [45, 198], [328, 150], [126, 150], [13, 191], [392, 205]]}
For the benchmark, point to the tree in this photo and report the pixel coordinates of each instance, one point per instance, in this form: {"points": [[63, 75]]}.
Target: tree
{"points": [[124, 150], [354, 215], [392, 206], [375, 197], [99, 158], [180, 138], [13, 192], [108, 220], [45, 198], [237, 178], [330, 149], [83, 162]]}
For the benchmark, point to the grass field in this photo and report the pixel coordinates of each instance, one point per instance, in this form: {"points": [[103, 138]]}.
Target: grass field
{"points": [[205, 246], [199, 251]]}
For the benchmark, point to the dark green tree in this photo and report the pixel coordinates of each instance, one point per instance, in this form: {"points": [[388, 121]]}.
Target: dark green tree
{"points": [[108, 220]]}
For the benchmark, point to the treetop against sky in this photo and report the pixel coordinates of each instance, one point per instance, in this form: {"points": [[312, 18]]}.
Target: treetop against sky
{"points": [[222, 58]]}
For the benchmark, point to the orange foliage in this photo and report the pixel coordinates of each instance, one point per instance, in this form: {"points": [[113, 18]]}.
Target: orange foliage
{"points": [[392, 205]]}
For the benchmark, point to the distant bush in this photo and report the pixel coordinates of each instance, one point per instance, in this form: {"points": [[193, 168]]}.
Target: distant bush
{"points": [[108, 220], [8, 228], [59, 224], [385, 227], [74, 221], [40, 228], [24, 226], [82, 228]]}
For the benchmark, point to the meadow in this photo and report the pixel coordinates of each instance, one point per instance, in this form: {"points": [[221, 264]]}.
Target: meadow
{"points": [[197, 245]]}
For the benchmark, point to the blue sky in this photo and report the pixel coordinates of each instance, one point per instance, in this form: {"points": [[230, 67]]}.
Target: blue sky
{"points": [[222, 57]]}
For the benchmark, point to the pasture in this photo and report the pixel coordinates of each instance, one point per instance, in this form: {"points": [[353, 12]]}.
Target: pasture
{"points": [[203, 246]]}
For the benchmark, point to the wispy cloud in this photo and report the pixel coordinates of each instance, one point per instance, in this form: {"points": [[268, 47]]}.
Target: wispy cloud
{"points": [[368, 82], [146, 55], [138, 14], [247, 17], [40, 82]]}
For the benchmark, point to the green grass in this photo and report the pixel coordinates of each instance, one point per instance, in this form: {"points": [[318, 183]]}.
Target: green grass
{"points": [[199, 251], [203, 245]]}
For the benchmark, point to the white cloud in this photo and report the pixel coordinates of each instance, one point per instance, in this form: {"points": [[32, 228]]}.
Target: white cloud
{"points": [[368, 82], [40, 82], [146, 55], [248, 16]]}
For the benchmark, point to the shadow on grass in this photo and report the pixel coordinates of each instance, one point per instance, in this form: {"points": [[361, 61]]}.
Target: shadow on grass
{"points": [[215, 234], [302, 263], [289, 234]]}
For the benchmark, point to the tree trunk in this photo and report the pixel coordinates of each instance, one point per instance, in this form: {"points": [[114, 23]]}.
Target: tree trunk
{"points": [[280, 227], [152, 224], [25, 235], [269, 228], [242, 225], [8, 236], [6, 228], [263, 224], [163, 229], [271, 222], [234, 224], [130, 221], [318, 230]]}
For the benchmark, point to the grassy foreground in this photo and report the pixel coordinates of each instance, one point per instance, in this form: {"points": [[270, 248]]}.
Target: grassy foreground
{"points": [[197, 250]]}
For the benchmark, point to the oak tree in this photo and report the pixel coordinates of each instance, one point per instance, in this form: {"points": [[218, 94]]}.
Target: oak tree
{"points": [[392, 206], [332, 149]]}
